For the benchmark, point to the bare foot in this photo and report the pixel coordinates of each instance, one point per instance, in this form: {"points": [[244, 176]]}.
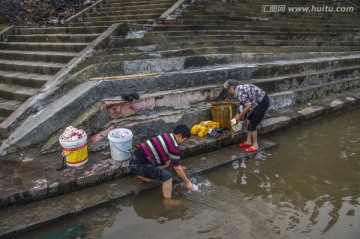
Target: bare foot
{"points": [[170, 203]]}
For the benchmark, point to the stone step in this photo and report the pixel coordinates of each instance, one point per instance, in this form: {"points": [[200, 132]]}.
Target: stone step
{"points": [[220, 47], [126, 12], [7, 107], [60, 57], [264, 37], [313, 18], [154, 34], [288, 65], [118, 18], [302, 95], [304, 79], [283, 24], [16, 92], [23, 79], [302, 67], [232, 26], [254, 18], [132, 7], [199, 42], [43, 46], [243, 11], [128, 54], [252, 39], [46, 68], [108, 23], [68, 38], [260, 49], [58, 30], [336, 64], [137, 3]]}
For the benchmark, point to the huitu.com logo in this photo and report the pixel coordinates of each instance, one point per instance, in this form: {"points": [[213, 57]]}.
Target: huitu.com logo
{"points": [[312, 8]]}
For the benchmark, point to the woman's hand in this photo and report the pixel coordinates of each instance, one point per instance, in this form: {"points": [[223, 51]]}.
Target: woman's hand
{"points": [[238, 117], [189, 186]]}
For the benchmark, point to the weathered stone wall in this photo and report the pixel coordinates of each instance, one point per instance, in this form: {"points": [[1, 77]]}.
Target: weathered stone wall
{"points": [[38, 12]]}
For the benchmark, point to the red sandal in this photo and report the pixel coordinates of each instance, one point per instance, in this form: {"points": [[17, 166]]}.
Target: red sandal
{"points": [[251, 150], [244, 144]]}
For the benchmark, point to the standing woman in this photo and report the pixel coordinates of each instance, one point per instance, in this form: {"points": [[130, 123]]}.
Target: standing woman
{"points": [[255, 102]]}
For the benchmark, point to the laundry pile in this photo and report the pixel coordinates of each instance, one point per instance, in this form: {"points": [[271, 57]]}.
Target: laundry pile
{"points": [[72, 134], [204, 128]]}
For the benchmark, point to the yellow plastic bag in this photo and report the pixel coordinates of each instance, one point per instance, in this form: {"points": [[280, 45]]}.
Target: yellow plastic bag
{"points": [[203, 128]]}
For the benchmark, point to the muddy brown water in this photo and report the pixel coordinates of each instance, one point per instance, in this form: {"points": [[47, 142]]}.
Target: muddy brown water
{"points": [[307, 187]]}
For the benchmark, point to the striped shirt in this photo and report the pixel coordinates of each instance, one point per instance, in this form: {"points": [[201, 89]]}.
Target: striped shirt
{"points": [[160, 149]]}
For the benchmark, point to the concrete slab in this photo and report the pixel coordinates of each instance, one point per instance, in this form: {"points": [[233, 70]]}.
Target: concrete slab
{"points": [[350, 99], [274, 123], [312, 111], [336, 104]]}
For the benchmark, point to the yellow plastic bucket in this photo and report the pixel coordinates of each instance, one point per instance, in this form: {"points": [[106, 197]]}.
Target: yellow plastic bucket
{"points": [[76, 151]]}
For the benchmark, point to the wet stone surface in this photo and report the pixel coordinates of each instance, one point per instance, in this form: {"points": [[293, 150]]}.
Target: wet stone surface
{"points": [[39, 13], [71, 203], [29, 176]]}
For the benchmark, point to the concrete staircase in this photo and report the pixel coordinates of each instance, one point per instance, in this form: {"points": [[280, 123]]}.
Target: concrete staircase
{"points": [[130, 11], [211, 27], [192, 58], [30, 57]]}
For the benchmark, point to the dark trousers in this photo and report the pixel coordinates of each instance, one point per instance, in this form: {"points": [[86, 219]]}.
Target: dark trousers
{"points": [[257, 115]]}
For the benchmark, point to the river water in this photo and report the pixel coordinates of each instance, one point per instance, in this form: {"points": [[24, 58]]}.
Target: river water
{"points": [[306, 187]]}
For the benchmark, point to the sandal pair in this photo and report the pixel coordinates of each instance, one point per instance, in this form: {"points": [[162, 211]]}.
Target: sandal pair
{"points": [[244, 144], [250, 149]]}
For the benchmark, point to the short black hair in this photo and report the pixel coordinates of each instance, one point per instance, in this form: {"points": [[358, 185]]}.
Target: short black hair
{"points": [[183, 130]]}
